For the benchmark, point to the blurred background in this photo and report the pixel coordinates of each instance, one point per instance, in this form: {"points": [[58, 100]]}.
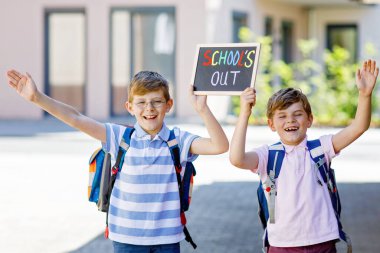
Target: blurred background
{"points": [[85, 52]]}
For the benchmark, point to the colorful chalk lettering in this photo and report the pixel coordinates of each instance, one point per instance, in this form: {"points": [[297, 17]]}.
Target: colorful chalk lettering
{"points": [[238, 58], [225, 69]]}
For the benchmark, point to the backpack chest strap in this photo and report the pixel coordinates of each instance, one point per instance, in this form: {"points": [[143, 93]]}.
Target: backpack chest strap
{"points": [[275, 158], [270, 193]]}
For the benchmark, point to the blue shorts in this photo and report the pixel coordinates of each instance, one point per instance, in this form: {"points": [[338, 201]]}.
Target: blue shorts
{"points": [[129, 248]]}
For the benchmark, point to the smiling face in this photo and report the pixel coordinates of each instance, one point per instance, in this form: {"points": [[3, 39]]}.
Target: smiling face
{"points": [[150, 110], [291, 123]]}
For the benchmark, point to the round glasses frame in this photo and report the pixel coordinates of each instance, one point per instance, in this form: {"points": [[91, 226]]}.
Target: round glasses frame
{"points": [[155, 104]]}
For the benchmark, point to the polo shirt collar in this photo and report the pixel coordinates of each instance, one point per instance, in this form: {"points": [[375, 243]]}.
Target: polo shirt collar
{"points": [[163, 134], [302, 145]]}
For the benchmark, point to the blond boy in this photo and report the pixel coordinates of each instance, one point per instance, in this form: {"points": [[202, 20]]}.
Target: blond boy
{"points": [[144, 214]]}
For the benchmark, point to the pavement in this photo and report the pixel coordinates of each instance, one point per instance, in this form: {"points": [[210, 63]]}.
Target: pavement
{"points": [[44, 207]]}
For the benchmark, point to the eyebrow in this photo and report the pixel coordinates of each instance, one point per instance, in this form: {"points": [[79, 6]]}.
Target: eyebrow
{"points": [[280, 112], [155, 98]]}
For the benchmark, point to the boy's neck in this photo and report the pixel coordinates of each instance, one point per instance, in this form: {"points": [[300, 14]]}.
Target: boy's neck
{"points": [[152, 133]]}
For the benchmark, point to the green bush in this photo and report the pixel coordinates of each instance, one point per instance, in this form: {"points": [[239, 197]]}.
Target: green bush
{"points": [[330, 86]]}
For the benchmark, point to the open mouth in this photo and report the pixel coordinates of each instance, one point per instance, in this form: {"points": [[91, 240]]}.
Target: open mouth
{"points": [[291, 129], [150, 117]]}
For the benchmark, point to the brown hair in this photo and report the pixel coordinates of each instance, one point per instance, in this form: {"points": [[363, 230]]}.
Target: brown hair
{"points": [[284, 98], [147, 81]]}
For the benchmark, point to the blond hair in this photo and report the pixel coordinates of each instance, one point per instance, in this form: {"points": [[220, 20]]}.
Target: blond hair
{"points": [[147, 81]]}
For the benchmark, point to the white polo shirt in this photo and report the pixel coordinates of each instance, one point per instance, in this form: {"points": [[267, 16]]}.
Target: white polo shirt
{"points": [[304, 214]]}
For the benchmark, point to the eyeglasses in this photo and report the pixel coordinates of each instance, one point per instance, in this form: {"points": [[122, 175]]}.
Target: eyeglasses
{"points": [[154, 103]]}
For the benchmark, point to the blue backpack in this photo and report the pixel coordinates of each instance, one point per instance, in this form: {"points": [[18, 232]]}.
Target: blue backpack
{"points": [[267, 191], [103, 176]]}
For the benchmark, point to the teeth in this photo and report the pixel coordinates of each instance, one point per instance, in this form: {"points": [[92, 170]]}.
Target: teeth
{"points": [[291, 129]]}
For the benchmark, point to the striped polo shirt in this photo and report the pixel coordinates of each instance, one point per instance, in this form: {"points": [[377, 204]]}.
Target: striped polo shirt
{"points": [[144, 205]]}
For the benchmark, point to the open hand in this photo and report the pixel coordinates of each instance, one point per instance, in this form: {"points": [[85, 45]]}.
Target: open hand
{"points": [[23, 84], [366, 77]]}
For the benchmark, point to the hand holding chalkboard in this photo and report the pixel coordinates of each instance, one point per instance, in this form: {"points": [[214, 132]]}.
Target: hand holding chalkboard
{"points": [[199, 102], [225, 69], [247, 101]]}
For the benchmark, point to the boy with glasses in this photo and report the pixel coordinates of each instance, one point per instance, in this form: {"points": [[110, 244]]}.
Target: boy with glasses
{"points": [[144, 214]]}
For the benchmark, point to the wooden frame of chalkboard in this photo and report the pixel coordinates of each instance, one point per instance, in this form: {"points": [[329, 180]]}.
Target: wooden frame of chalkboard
{"points": [[225, 69]]}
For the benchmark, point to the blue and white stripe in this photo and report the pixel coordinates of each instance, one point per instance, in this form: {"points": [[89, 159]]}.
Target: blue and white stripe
{"points": [[145, 207]]}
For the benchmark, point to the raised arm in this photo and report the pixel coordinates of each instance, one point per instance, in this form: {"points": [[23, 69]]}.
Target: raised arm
{"points": [[218, 142], [238, 156], [26, 88], [365, 81]]}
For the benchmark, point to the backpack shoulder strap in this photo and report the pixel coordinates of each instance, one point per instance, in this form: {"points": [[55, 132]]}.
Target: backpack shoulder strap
{"points": [[174, 150], [317, 155], [276, 156], [176, 156], [123, 147]]}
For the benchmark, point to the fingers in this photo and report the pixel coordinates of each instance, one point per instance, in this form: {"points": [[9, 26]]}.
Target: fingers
{"points": [[14, 74], [370, 66], [13, 78], [249, 95], [358, 74], [249, 92], [364, 67]]}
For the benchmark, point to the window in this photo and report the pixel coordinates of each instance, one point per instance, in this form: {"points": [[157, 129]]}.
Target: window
{"points": [[268, 26], [239, 21], [65, 43], [345, 36], [141, 39], [287, 41]]}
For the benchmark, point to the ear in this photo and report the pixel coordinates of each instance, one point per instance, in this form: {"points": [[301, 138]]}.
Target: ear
{"points": [[311, 118], [271, 125], [129, 108], [169, 105]]}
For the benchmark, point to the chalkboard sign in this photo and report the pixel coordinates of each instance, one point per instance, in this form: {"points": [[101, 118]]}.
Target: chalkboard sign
{"points": [[225, 69]]}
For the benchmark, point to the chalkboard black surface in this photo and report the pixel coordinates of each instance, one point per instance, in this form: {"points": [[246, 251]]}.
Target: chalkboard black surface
{"points": [[225, 69]]}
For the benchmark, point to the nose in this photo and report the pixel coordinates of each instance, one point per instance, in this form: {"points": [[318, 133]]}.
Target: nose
{"points": [[290, 119], [149, 105]]}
